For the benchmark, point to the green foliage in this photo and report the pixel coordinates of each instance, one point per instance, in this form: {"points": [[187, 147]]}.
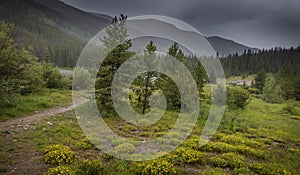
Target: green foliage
{"points": [[82, 79], [116, 34], [271, 91], [219, 147], [144, 84], [214, 171], [125, 148], [58, 154], [268, 169], [89, 167], [84, 144], [237, 140], [291, 110], [234, 123], [229, 160], [61, 170], [53, 78], [154, 167], [241, 171], [238, 98], [260, 80], [19, 69], [184, 156], [20, 106]]}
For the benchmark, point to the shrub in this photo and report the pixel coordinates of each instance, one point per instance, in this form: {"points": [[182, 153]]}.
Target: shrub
{"points": [[251, 152], [53, 78], [58, 154], [215, 171], [218, 147], [82, 79], [219, 162], [237, 97], [186, 156], [268, 169], [272, 90], [84, 144], [236, 140], [229, 160], [154, 167], [192, 143], [234, 123], [89, 167], [60, 170], [241, 171], [125, 148]]}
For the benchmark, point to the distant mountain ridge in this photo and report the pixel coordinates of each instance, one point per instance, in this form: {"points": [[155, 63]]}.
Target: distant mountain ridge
{"points": [[63, 30], [225, 47]]}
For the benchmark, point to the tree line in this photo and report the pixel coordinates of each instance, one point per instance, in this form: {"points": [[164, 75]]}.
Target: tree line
{"points": [[277, 71]]}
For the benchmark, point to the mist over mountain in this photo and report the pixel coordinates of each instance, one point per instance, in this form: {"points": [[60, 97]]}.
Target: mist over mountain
{"points": [[62, 30]]}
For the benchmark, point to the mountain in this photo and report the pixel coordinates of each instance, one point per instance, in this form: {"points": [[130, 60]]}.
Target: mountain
{"points": [[225, 46], [55, 28], [104, 16], [51, 26]]}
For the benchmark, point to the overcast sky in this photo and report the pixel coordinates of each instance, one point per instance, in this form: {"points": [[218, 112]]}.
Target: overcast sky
{"points": [[255, 23]]}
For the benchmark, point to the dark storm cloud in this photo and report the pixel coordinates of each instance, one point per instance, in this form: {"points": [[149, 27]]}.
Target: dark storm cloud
{"points": [[258, 23]]}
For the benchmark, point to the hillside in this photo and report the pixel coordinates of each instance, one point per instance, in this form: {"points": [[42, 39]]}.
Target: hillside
{"points": [[42, 24], [225, 46]]}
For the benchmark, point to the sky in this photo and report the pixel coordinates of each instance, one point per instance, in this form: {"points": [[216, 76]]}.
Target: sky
{"points": [[255, 23]]}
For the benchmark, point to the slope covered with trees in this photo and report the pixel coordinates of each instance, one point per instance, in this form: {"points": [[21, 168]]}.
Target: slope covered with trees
{"points": [[51, 25]]}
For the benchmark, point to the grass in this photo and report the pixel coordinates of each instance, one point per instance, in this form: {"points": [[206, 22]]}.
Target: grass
{"points": [[269, 142], [26, 105]]}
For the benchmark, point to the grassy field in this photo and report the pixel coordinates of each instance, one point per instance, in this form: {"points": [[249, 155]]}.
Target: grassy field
{"points": [[25, 105], [261, 139]]}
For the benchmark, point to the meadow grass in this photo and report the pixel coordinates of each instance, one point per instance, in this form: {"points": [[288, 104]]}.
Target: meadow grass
{"points": [[269, 143], [21, 106]]}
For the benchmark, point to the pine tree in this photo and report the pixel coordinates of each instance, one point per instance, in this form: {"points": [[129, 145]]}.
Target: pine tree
{"points": [[201, 78], [260, 80], [116, 33], [143, 82]]}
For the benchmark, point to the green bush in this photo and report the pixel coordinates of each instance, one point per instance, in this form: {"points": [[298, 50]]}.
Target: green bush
{"points": [[53, 78], [125, 148], [58, 154], [186, 156], [154, 167], [229, 160], [61, 170], [89, 167], [237, 97], [215, 171], [192, 143], [84, 144], [219, 147], [268, 169], [241, 171], [82, 79], [251, 152], [236, 140]]}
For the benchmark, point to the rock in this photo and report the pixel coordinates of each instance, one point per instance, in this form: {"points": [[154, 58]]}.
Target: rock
{"points": [[49, 123]]}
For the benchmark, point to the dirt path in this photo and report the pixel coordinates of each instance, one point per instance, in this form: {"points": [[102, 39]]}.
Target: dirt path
{"points": [[26, 122], [20, 149]]}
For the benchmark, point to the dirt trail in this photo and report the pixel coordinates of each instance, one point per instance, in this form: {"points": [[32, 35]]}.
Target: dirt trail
{"points": [[24, 158], [25, 122]]}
